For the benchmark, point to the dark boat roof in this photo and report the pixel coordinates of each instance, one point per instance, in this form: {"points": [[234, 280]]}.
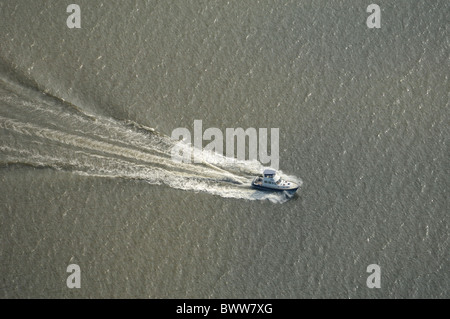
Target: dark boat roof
{"points": [[269, 171]]}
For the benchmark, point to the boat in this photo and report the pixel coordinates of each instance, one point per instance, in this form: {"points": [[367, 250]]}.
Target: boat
{"points": [[271, 181]]}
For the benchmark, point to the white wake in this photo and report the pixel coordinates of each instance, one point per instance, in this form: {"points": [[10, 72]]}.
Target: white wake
{"points": [[43, 131]]}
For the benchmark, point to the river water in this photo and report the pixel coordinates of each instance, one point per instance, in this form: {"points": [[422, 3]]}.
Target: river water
{"points": [[87, 177]]}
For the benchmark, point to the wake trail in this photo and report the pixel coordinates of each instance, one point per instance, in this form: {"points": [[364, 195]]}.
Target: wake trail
{"points": [[42, 131]]}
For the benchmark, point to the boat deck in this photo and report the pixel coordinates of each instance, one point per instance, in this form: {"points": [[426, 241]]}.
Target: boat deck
{"points": [[258, 181]]}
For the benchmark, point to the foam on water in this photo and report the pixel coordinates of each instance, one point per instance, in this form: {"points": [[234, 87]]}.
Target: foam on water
{"points": [[43, 131]]}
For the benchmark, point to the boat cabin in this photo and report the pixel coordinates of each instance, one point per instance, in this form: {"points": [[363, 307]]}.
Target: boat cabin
{"points": [[271, 177], [269, 173]]}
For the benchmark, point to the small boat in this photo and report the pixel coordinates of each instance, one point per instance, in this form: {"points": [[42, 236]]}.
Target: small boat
{"points": [[270, 181]]}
